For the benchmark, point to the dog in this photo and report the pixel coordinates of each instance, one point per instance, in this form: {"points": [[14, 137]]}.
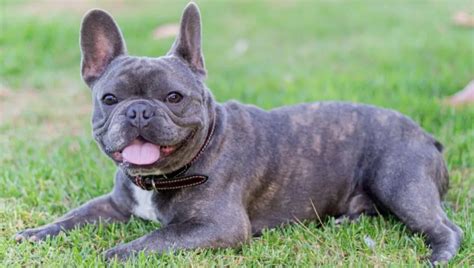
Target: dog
{"points": [[217, 174]]}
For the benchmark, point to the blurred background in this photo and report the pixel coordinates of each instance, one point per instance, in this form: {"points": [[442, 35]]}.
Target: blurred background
{"points": [[405, 55], [401, 54]]}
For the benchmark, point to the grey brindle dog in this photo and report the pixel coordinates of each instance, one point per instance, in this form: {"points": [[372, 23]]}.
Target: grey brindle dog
{"points": [[216, 174]]}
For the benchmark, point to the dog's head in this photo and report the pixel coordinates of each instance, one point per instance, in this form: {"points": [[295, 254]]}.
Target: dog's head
{"points": [[151, 115]]}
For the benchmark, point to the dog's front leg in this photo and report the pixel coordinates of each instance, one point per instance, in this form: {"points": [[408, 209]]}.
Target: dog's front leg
{"points": [[101, 209], [188, 235]]}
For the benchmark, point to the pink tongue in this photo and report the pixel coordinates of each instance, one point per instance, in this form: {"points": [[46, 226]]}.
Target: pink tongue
{"points": [[141, 153]]}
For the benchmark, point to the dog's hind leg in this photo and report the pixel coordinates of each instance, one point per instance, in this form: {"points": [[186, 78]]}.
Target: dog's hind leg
{"points": [[410, 183]]}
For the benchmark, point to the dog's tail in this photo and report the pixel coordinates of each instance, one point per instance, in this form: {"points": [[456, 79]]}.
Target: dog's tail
{"points": [[439, 146], [441, 175]]}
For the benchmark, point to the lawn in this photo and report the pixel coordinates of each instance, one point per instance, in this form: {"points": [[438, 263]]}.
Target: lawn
{"points": [[404, 55]]}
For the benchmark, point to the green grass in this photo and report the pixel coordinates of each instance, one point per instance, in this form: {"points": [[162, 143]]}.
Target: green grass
{"points": [[404, 55]]}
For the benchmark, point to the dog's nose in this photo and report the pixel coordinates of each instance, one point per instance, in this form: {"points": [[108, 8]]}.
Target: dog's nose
{"points": [[140, 114]]}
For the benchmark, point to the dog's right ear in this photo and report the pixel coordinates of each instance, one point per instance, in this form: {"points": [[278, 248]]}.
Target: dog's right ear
{"points": [[101, 42]]}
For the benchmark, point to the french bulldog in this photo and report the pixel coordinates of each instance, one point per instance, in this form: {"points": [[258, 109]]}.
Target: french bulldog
{"points": [[216, 174]]}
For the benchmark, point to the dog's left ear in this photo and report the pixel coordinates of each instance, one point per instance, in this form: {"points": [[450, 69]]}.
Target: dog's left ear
{"points": [[188, 43]]}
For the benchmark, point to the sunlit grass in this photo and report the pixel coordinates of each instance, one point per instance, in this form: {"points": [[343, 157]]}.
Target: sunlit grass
{"points": [[404, 55]]}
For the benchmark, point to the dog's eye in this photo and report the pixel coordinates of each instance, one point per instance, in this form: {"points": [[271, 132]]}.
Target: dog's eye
{"points": [[174, 97], [109, 99]]}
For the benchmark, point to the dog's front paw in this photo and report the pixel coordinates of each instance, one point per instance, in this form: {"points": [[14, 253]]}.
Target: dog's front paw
{"points": [[38, 234], [120, 253]]}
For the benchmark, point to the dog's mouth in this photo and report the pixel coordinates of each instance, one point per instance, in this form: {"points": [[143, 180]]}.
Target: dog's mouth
{"points": [[141, 152]]}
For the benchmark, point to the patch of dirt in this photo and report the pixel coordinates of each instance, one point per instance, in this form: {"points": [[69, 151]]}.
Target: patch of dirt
{"points": [[46, 7], [464, 19], [166, 31], [49, 113], [12, 103], [463, 97], [240, 48]]}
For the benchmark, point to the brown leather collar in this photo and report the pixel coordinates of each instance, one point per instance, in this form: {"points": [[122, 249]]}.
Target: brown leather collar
{"points": [[176, 179]]}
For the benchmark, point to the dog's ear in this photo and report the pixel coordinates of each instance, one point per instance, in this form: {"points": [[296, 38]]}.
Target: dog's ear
{"points": [[188, 43], [101, 42]]}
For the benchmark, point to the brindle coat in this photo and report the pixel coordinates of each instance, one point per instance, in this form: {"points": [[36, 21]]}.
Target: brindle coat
{"points": [[265, 168]]}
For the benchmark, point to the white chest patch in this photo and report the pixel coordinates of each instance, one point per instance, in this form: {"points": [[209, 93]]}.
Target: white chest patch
{"points": [[144, 208]]}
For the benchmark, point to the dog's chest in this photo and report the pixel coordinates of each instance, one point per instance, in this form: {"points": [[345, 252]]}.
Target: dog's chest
{"points": [[145, 208]]}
